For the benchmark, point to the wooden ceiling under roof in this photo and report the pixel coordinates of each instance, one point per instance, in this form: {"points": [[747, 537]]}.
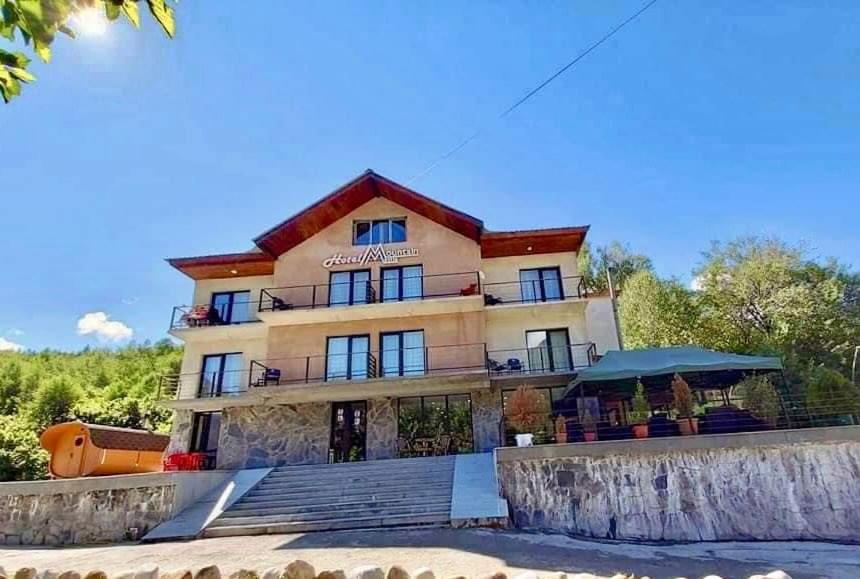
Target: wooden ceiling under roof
{"points": [[353, 195]]}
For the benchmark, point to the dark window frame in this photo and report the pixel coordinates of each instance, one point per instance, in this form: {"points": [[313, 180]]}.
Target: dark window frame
{"points": [[422, 398], [200, 434], [399, 269], [371, 223], [349, 354], [217, 389], [351, 300], [363, 419], [551, 347], [542, 297], [400, 365], [228, 318]]}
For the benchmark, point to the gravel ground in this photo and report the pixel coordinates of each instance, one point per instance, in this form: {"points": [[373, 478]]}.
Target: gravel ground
{"points": [[452, 552]]}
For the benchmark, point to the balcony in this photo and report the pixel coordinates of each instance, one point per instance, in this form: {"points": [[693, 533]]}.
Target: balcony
{"points": [[548, 290], [541, 363], [429, 370], [216, 322], [396, 294]]}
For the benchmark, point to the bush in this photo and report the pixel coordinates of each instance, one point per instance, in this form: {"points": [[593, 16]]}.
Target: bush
{"points": [[54, 402], [683, 397], [525, 411], [641, 409], [829, 393], [21, 457], [760, 397]]}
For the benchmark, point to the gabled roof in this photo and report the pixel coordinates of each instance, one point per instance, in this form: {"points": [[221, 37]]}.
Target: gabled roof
{"points": [[342, 201]]}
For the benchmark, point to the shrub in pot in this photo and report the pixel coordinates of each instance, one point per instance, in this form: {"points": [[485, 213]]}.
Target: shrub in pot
{"points": [[589, 428], [525, 413], [683, 402], [638, 415]]}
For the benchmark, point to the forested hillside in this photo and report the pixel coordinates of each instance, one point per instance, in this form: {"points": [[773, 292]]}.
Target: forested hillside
{"points": [[114, 387]]}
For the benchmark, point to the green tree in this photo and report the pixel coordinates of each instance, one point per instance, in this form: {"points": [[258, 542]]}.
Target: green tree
{"points": [[829, 393], [759, 396], [11, 385], [656, 313], [54, 402], [615, 257], [36, 23], [21, 457]]}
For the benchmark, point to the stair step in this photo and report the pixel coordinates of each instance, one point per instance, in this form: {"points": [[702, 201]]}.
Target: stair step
{"points": [[286, 491], [330, 525], [279, 508], [358, 512], [384, 465], [361, 472], [390, 480], [261, 501]]}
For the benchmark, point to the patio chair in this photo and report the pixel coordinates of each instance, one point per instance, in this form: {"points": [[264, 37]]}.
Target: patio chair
{"points": [[272, 376], [279, 305], [404, 449], [495, 366], [442, 445], [491, 300], [514, 365], [471, 290]]}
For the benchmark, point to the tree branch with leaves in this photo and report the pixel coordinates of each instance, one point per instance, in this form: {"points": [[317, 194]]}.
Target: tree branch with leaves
{"points": [[36, 23]]}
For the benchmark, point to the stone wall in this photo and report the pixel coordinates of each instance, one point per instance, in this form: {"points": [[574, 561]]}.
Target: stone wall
{"points": [[793, 485], [381, 428], [98, 509], [180, 431], [274, 435], [486, 419]]}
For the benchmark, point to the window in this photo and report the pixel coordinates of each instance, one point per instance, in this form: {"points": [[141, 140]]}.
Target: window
{"points": [[424, 419], [349, 287], [541, 285], [378, 231], [549, 351], [402, 283], [348, 358], [552, 402], [205, 430], [222, 375], [232, 307], [402, 353]]}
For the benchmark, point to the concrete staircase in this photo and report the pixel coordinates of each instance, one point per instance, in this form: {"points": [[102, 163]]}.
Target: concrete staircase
{"points": [[358, 495]]}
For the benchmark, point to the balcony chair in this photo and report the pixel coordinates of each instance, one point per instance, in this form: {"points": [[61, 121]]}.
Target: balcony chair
{"points": [[471, 290], [279, 305], [514, 365], [272, 376], [491, 300]]}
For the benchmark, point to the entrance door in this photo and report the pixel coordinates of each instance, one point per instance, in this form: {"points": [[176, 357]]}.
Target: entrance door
{"points": [[348, 431]]}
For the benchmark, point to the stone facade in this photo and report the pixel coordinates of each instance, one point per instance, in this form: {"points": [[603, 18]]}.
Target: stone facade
{"points": [[86, 516], [486, 419], [180, 432], [381, 428], [260, 436], [775, 493]]}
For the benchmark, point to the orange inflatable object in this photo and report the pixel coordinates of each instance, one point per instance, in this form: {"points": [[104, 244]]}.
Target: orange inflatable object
{"points": [[78, 449]]}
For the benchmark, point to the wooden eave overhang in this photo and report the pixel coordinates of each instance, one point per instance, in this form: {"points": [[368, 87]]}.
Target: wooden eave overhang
{"points": [[532, 241], [225, 265]]}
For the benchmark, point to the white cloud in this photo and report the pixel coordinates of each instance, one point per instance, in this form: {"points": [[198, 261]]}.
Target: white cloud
{"points": [[696, 283], [9, 346], [100, 324]]}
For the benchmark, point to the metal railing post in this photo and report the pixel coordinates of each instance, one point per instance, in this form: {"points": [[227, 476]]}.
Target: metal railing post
{"points": [[307, 368], [314, 297]]}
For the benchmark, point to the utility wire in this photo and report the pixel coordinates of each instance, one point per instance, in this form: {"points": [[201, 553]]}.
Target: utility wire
{"points": [[535, 90]]}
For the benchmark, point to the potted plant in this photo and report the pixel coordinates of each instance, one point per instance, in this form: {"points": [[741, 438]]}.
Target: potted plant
{"points": [[560, 430], [525, 414], [638, 415], [683, 402], [589, 428]]}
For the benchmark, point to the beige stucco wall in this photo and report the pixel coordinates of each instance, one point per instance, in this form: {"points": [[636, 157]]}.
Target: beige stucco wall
{"points": [[507, 269], [600, 321], [192, 361], [203, 289], [441, 250]]}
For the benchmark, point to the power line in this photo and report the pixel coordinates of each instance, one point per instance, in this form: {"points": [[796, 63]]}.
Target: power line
{"points": [[536, 90]]}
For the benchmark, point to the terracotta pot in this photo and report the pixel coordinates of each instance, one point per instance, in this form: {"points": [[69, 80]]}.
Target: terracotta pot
{"points": [[590, 436], [560, 437], [640, 430], [688, 426]]}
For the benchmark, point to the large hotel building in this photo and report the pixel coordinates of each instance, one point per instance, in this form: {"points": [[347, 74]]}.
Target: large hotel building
{"points": [[375, 324]]}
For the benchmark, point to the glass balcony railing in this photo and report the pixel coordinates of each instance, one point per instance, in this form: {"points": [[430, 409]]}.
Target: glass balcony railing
{"points": [[207, 315], [535, 291], [565, 358]]}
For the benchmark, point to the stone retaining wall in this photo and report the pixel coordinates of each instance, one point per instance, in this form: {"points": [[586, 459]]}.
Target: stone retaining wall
{"points": [[790, 485], [98, 509]]}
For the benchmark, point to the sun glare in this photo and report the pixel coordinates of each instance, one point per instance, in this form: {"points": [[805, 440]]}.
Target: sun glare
{"points": [[90, 22]]}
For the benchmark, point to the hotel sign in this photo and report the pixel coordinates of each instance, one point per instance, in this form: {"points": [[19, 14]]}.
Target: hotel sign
{"points": [[373, 253]]}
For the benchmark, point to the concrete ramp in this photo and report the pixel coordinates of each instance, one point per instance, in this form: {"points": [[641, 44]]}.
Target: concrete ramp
{"points": [[191, 522], [476, 499]]}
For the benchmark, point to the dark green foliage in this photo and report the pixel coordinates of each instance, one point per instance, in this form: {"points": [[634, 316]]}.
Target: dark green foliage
{"points": [[112, 387]]}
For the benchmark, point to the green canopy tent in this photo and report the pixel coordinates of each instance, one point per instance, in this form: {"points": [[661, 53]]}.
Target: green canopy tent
{"points": [[625, 365]]}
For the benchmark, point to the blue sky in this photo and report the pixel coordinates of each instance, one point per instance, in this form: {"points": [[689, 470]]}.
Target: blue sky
{"points": [[700, 121]]}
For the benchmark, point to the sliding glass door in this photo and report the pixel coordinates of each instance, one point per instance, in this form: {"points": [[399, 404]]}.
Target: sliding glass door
{"points": [[222, 375], [549, 351], [541, 285], [348, 288], [403, 353], [402, 283], [348, 358]]}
